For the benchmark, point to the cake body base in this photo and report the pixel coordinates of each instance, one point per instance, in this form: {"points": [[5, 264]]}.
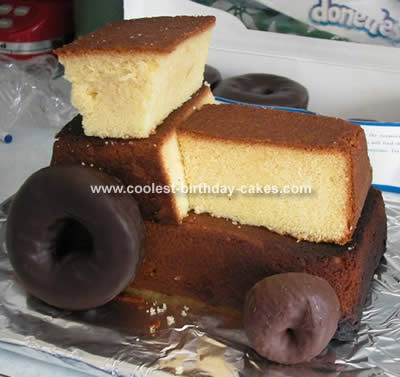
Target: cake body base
{"points": [[214, 261]]}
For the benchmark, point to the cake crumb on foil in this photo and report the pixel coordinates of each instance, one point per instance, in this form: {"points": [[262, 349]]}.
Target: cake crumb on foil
{"points": [[154, 326], [161, 309], [152, 329], [184, 311], [152, 311], [170, 320]]}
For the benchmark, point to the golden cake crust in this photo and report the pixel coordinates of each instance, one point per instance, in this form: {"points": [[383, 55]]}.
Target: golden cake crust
{"points": [[158, 35], [248, 125], [268, 126]]}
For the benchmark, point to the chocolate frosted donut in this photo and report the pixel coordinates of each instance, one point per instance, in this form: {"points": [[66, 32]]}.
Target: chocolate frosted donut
{"points": [[212, 76], [263, 89], [72, 248], [290, 318]]}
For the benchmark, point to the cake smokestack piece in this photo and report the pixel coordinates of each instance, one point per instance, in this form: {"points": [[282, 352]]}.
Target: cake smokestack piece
{"points": [[128, 76], [246, 147], [137, 162]]}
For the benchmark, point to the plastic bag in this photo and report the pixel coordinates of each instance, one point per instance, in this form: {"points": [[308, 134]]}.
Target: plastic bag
{"points": [[364, 21], [33, 91]]}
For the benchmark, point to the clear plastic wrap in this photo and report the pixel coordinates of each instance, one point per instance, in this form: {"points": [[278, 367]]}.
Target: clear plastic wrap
{"points": [[33, 91]]}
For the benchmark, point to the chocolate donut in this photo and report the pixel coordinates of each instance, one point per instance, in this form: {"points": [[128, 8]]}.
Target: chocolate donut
{"points": [[263, 89], [212, 76], [70, 247], [290, 318]]}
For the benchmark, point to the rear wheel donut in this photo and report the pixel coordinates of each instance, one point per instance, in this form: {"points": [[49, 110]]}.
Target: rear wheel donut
{"points": [[70, 247]]}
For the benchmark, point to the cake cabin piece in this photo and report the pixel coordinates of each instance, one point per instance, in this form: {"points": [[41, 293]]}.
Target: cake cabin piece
{"points": [[217, 262], [128, 76], [138, 162], [245, 147]]}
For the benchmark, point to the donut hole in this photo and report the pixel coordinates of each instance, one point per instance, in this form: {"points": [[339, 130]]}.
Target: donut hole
{"points": [[291, 334], [71, 239], [263, 91]]}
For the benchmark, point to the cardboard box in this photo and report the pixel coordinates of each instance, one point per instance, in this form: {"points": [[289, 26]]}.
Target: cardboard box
{"points": [[344, 79]]}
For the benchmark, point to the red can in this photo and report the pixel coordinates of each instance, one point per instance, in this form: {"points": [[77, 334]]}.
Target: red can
{"points": [[30, 28]]}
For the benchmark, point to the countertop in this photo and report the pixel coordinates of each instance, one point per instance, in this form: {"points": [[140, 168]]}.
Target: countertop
{"points": [[14, 365], [29, 151]]}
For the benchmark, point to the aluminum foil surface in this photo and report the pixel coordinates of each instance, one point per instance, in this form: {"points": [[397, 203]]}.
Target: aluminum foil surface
{"points": [[133, 336]]}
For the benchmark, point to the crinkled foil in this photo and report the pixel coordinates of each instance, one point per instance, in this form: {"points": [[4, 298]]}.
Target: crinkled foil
{"points": [[137, 337]]}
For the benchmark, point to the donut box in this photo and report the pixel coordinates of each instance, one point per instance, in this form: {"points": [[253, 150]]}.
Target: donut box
{"points": [[351, 81]]}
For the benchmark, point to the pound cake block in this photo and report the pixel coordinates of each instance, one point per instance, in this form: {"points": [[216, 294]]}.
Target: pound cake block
{"points": [[137, 162], [128, 76], [250, 148], [214, 261]]}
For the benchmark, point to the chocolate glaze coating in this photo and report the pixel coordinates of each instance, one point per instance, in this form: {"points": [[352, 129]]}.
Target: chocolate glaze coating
{"points": [[290, 318], [72, 248], [212, 76], [264, 89]]}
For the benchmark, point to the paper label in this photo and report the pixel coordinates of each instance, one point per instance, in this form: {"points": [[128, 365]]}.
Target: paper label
{"points": [[384, 153]]}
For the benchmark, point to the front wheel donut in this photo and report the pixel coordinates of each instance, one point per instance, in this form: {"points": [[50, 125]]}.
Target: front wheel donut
{"points": [[70, 247], [290, 318]]}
